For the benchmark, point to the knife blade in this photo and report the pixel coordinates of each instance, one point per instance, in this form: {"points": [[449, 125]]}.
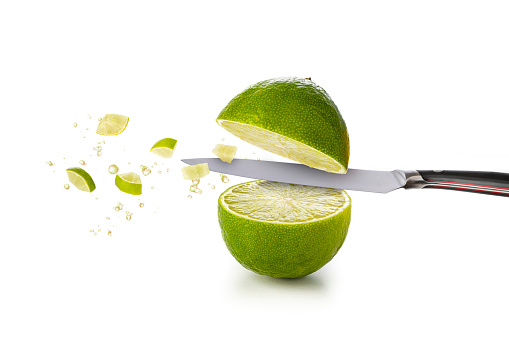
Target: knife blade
{"points": [[494, 183]]}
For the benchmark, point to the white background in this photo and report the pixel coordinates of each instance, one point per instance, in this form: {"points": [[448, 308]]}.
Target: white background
{"points": [[421, 85]]}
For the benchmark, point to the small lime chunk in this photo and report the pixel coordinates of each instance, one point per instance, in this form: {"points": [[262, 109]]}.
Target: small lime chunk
{"points": [[164, 147], [112, 124], [129, 183], [225, 152], [195, 172], [80, 179]]}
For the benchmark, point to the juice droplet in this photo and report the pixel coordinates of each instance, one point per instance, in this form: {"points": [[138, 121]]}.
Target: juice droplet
{"points": [[222, 139], [98, 148], [212, 186], [145, 170], [160, 172], [82, 162], [66, 186], [107, 218], [224, 178], [75, 124], [195, 189], [113, 169], [99, 153], [258, 159], [119, 207], [92, 230], [155, 163], [195, 182], [100, 119], [109, 233], [167, 170], [190, 196], [142, 204], [50, 163], [128, 215], [99, 230]]}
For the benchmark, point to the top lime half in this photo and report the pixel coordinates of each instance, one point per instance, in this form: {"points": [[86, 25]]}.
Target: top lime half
{"points": [[291, 117]]}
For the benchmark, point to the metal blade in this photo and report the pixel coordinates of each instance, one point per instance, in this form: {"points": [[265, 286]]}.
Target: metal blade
{"points": [[354, 179]]}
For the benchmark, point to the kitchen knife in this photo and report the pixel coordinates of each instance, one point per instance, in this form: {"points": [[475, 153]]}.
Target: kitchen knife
{"points": [[494, 183]]}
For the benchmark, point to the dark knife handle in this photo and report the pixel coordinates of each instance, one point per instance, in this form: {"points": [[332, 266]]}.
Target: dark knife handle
{"points": [[494, 183]]}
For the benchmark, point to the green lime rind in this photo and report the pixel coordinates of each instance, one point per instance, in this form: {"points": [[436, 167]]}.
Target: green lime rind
{"points": [[297, 109], [85, 176], [128, 187], [283, 250]]}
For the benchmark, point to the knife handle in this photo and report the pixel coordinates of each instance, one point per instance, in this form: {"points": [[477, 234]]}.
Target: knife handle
{"points": [[494, 183]]}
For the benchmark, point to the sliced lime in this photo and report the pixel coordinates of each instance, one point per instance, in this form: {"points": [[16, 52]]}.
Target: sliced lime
{"points": [[164, 147], [129, 183], [80, 179]]}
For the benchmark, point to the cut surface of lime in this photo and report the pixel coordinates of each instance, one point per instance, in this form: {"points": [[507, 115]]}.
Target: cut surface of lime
{"points": [[283, 230], [225, 152], [195, 172], [129, 183], [80, 179], [112, 124], [164, 147], [291, 117]]}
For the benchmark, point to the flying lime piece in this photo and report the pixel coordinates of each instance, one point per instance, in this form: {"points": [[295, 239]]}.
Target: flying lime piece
{"points": [[225, 152], [128, 183], [80, 179], [164, 147], [112, 124], [283, 230], [195, 172], [291, 117]]}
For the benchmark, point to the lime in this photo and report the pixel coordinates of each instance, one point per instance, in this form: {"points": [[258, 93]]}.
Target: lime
{"points": [[128, 183], [80, 179], [291, 117], [195, 172], [283, 230], [164, 147], [112, 124], [225, 152]]}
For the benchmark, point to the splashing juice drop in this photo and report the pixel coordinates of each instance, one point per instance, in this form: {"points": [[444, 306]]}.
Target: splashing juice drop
{"points": [[145, 170], [142, 204], [128, 215], [113, 169], [160, 172], [224, 178], [50, 163], [107, 218], [190, 196], [66, 186], [82, 162], [212, 186], [109, 233], [119, 207], [75, 124], [99, 153]]}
